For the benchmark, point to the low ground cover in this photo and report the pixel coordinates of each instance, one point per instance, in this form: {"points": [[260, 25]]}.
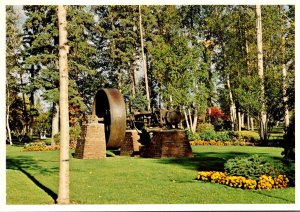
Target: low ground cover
{"points": [[32, 178]]}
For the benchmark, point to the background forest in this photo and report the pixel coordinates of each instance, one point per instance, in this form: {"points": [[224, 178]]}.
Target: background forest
{"points": [[202, 60]]}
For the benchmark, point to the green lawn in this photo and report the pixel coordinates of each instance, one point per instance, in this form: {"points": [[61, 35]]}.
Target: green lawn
{"points": [[32, 178]]}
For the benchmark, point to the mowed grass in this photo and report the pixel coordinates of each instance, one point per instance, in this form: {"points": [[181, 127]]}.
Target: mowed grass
{"points": [[32, 178]]}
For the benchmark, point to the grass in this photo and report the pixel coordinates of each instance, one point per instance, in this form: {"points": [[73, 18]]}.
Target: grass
{"points": [[32, 178]]}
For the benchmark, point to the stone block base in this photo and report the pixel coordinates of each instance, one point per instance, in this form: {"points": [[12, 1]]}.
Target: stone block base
{"points": [[168, 143], [92, 144]]}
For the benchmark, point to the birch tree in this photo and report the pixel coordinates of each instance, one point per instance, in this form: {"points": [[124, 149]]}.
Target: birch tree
{"points": [[63, 188], [144, 60], [263, 113]]}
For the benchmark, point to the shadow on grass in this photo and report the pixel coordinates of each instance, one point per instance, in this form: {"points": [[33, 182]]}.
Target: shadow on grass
{"points": [[273, 196], [208, 161], [23, 163]]}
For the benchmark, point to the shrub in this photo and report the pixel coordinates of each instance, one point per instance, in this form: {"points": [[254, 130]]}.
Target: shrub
{"points": [[217, 136], [56, 138], [244, 135], [249, 135], [253, 167], [205, 128], [289, 138], [75, 133], [223, 136], [193, 136], [207, 136]]}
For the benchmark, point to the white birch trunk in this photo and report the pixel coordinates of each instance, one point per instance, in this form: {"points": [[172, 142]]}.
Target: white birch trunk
{"points": [[251, 124], [7, 125], [284, 86], [194, 125], [239, 121], [144, 60], [285, 98], [186, 120], [232, 106], [190, 118], [248, 122], [242, 120], [64, 181], [263, 112]]}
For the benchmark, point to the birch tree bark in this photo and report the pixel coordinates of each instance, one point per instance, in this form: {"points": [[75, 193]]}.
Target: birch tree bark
{"points": [[248, 121], [7, 119], [194, 123], [232, 106], [144, 60], [239, 120], [263, 112], [251, 124], [186, 120], [64, 181], [283, 82], [285, 98]]}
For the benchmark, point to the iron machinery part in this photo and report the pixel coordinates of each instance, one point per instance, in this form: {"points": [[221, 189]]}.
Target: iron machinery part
{"points": [[173, 117], [109, 105]]}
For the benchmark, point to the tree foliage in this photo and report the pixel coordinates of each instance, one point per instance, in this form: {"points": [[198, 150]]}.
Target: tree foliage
{"points": [[197, 56]]}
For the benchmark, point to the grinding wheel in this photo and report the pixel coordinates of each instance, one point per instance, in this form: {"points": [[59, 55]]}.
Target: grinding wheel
{"points": [[109, 104]]}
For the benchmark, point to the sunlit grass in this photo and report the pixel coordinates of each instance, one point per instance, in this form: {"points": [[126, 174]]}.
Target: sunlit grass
{"points": [[128, 180]]}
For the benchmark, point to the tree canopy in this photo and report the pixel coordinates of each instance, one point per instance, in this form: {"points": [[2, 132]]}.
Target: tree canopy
{"points": [[197, 57]]}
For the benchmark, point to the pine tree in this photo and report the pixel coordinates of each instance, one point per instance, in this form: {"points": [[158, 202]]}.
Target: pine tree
{"points": [[119, 26], [13, 42]]}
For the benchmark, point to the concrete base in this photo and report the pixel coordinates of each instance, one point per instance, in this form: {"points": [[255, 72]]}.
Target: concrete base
{"points": [[92, 144]]}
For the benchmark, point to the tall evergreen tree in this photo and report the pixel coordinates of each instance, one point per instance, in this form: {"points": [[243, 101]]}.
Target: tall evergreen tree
{"points": [[13, 43]]}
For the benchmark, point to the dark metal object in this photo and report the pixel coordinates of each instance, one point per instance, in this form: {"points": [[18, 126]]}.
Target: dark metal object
{"points": [[109, 106], [162, 118]]}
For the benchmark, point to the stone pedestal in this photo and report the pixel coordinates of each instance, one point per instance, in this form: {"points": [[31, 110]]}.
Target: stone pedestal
{"points": [[167, 143], [131, 144], [92, 144]]}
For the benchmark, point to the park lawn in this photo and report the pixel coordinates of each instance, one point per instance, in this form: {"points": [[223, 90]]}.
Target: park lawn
{"points": [[131, 180]]}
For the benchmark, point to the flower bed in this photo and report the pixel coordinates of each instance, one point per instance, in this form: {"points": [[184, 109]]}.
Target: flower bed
{"points": [[41, 146], [264, 181], [221, 143]]}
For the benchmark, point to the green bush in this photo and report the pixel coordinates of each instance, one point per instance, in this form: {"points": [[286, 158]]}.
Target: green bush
{"points": [[254, 166], [290, 170], [244, 135], [205, 128], [75, 133], [217, 136], [193, 136], [224, 136], [207, 136], [56, 138], [289, 141]]}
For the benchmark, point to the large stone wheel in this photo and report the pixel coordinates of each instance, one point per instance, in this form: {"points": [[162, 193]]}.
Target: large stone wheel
{"points": [[109, 105]]}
